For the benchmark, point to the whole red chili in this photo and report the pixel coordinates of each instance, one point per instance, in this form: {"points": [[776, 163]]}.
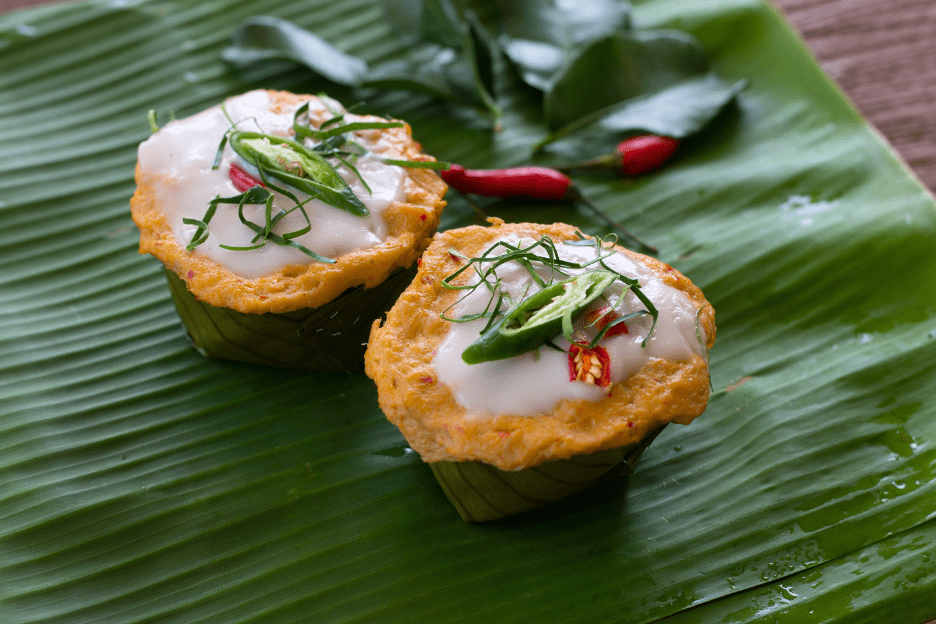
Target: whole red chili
{"points": [[592, 366], [634, 156], [644, 153], [531, 182], [242, 180]]}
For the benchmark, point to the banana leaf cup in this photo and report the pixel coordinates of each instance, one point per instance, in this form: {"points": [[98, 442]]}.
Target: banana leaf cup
{"points": [[281, 248], [331, 337], [506, 427], [482, 492]]}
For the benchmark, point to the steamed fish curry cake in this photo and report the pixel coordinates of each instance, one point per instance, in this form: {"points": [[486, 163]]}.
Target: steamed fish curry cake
{"points": [[273, 201], [286, 225], [524, 343]]}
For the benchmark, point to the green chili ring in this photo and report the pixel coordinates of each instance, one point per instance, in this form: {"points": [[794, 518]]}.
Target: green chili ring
{"points": [[539, 317], [279, 156]]}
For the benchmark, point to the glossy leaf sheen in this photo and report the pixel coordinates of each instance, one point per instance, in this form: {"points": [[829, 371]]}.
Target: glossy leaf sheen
{"points": [[449, 56], [269, 38], [141, 482], [621, 67], [452, 59], [678, 111], [541, 36]]}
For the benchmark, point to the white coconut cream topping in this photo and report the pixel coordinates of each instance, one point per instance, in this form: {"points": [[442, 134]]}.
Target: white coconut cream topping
{"points": [[178, 164], [536, 381]]}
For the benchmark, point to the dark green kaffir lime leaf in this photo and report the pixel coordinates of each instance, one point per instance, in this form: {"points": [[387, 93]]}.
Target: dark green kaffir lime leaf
{"points": [[270, 38], [405, 17], [436, 21], [678, 111], [621, 67], [427, 68], [593, 68], [541, 37], [481, 54], [141, 482], [451, 56]]}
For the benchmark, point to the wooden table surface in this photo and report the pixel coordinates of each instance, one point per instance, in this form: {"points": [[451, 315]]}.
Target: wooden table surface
{"points": [[882, 53]]}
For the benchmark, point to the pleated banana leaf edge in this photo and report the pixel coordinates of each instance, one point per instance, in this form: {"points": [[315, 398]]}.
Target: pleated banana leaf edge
{"points": [[330, 338], [481, 492]]}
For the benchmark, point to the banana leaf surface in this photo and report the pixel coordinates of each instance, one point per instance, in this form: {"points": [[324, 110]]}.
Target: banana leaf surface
{"points": [[141, 482]]}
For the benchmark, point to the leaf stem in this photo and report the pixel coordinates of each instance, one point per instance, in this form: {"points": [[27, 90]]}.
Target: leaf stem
{"points": [[576, 196]]}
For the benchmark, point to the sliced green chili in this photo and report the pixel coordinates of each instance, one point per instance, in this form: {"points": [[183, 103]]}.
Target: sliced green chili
{"points": [[536, 320], [539, 317], [293, 164]]}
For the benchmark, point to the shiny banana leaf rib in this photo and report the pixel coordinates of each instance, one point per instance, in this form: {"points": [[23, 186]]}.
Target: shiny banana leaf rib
{"points": [[140, 482], [894, 579]]}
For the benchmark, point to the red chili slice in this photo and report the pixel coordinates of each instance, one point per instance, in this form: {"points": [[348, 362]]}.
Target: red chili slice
{"points": [[242, 180], [601, 317], [589, 365]]}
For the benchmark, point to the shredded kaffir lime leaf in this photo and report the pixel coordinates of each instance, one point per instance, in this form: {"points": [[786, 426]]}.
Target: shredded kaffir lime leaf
{"points": [[436, 165], [153, 123], [297, 166], [282, 164], [264, 233]]}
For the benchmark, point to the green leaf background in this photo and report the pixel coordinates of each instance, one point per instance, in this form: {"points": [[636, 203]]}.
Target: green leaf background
{"points": [[541, 36], [140, 482]]}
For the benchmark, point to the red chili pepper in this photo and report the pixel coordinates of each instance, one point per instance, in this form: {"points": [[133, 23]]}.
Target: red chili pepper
{"points": [[643, 153], [589, 365], [242, 180], [633, 156], [532, 182], [601, 317]]}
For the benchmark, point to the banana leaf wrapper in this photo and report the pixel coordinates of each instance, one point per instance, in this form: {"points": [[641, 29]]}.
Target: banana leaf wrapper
{"points": [[480, 492], [330, 338]]}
